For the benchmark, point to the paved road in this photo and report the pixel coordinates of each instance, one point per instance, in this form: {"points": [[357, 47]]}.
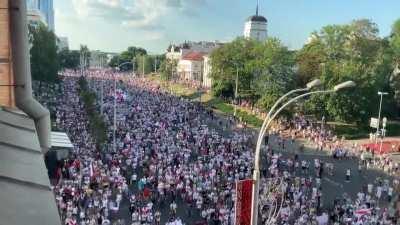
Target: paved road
{"points": [[334, 186]]}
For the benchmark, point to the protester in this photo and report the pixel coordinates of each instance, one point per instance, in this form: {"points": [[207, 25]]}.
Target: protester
{"points": [[167, 162]]}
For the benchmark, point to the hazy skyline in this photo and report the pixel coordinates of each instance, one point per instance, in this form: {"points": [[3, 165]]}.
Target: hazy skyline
{"points": [[113, 25]]}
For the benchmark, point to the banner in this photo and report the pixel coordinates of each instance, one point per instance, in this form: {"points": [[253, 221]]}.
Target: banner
{"points": [[374, 122], [244, 189]]}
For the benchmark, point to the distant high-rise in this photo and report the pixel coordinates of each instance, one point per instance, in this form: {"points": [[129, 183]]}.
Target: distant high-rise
{"points": [[46, 7], [256, 27], [41, 10]]}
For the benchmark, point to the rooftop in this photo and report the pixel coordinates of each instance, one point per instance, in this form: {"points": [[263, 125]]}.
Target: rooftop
{"points": [[26, 196], [194, 56], [257, 18]]}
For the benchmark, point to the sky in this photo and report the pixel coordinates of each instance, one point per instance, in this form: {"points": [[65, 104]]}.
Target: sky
{"points": [[113, 25]]}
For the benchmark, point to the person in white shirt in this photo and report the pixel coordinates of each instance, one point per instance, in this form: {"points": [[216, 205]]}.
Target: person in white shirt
{"points": [[390, 194]]}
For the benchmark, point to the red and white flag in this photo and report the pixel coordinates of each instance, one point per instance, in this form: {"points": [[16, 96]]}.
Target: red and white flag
{"points": [[244, 189], [362, 212], [91, 170]]}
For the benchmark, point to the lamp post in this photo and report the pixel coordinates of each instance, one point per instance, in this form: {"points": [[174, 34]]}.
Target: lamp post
{"points": [[125, 63], [379, 114], [133, 67], [143, 65], [236, 91], [155, 64], [115, 103], [115, 113], [265, 126], [101, 95], [383, 131]]}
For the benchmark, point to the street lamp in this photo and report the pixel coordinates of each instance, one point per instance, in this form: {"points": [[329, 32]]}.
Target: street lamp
{"points": [[266, 124], [379, 114], [309, 86], [125, 63], [236, 91], [115, 112]]}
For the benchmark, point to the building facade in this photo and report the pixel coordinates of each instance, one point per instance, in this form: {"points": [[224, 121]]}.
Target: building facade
{"points": [[193, 60], [98, 59], [256, 27], [190, 67], [41, 11], [176, 52], [24, 182], [47, 9], [6, 74]]}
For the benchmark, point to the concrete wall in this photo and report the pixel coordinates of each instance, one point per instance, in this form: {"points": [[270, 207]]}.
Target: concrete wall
{"points": [[6, 77]]}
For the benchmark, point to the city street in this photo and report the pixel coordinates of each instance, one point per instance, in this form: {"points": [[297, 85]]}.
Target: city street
{"points": [[149, 112]]}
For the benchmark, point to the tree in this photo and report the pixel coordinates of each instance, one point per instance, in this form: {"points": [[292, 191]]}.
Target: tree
{"points": [[353, 52], [69, 59], [115, 61], [144, 61], [309, 60], [394, 41], [274, 75], [265, 70], [44, 59], [127, 56], [167, 69], [85, 55], [226, 60]]}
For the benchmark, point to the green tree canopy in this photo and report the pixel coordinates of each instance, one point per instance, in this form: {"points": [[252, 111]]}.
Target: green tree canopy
{"points": [[394, 41], [144, 64], [168, 69], [127, 56], [69, 59], [44, 58], [265, 70], [309, 60], [85, 55], [225, 62], [348, 52]]}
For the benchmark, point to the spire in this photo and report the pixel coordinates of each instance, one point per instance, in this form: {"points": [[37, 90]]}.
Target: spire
{"points": [[258, 1]]}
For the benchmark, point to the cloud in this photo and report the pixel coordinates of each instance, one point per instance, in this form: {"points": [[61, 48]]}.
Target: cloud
{"points": [[111, 10], [141, 14]]}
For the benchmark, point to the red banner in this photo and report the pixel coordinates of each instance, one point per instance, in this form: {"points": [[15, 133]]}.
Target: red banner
{"points": [[244, 189]]}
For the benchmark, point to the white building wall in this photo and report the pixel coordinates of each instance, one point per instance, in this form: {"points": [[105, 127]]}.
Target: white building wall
{"points": [[183, 69], [197, 70], [173, 55], [35, 17], [190, 70], [255, 30]]}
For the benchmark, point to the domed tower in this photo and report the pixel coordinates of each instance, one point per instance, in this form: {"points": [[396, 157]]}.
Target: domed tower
{"points": [[256, 27]]}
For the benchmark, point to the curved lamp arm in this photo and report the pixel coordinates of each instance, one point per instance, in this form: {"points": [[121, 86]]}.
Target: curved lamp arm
{"points": [[309, 85], [273, 108], [124, 64], [256, 174], [262, 133]]}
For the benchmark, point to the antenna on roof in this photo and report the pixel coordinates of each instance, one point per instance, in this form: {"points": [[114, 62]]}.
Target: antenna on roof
{"points": [[258, 2]]}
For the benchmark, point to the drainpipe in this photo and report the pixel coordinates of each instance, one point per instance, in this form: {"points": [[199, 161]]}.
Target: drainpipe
{"points": [[22, 74]]}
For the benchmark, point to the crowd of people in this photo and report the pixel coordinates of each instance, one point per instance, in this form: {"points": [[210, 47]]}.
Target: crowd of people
{"points": [[167, 166], [321, 137], [297, 187]]}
